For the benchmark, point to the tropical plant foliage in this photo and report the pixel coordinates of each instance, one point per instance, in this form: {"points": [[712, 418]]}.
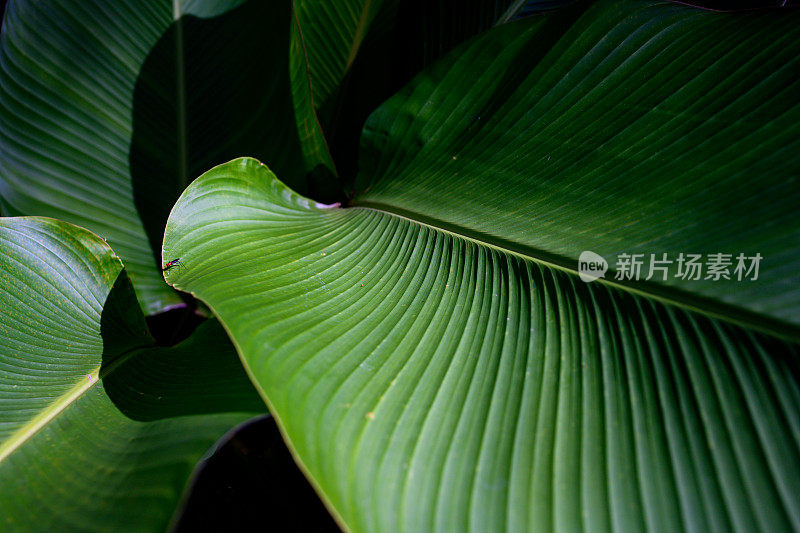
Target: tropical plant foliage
{"points": [[398, 277]]}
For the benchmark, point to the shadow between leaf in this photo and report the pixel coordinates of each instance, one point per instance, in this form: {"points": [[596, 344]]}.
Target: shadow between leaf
{"points": [[201, 375], [251, 477]]}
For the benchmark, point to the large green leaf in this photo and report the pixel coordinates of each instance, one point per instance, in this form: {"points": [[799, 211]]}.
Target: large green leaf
{"points": [[98, 426], [645, 128], [428, 381], [108, 108]]}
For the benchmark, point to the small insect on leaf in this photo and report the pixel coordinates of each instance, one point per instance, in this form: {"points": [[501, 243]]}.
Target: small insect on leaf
{"points": [[172, 263]]}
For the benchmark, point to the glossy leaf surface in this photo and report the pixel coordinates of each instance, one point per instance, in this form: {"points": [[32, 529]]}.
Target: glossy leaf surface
{"points": [[432, 382]]}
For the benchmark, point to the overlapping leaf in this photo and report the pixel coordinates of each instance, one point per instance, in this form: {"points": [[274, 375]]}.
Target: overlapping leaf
{"points": [[98, 428], [109, 108], [330, 35], [404, 37], [427, 381]]}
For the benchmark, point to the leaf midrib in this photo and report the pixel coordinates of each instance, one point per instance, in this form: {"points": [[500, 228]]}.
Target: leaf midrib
{"points": [[32, 427], [26, 432], [662, 293]]}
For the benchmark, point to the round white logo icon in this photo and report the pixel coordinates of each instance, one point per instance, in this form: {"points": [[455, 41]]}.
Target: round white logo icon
{"points": [[591, 266]]}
